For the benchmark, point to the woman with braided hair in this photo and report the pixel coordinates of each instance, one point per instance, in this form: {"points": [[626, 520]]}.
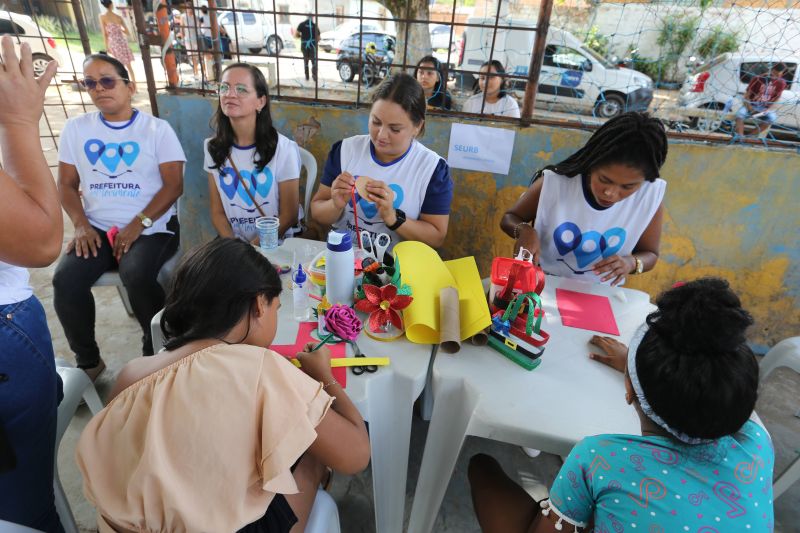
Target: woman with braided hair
{"points": [[605, 224]]}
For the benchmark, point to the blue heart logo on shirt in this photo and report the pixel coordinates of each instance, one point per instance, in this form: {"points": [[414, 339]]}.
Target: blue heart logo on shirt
{"points": [[258, 182], [369, 209], [111, 154], [589, 246]]}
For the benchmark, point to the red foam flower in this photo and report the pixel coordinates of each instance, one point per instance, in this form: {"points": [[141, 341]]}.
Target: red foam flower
{"points": [[383, 304]]}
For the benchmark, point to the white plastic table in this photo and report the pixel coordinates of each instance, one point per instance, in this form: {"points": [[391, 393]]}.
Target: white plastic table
{"points": [[479, 392], [385, 400]]}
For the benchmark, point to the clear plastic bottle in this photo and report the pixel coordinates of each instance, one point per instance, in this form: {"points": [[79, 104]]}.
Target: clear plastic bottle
{"points": [[300, 295]]}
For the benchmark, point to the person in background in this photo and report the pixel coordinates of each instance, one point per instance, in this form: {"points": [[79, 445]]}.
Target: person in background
{"points": [[30, 213], [410, 191], [702, 462], [219, 433], [493, 90], [253, 170], [308, 32], [431, 76], [115, 35], [191, 39], [596, 216], [120, 174], [761, 94]]}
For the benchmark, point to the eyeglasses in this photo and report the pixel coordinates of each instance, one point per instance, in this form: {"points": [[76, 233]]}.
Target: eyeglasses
{"points": [[239, 89], [107, 82]]}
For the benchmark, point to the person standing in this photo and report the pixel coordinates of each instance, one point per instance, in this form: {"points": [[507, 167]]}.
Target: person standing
{"points": [[115, 35], [308, 31], [30, 389]]}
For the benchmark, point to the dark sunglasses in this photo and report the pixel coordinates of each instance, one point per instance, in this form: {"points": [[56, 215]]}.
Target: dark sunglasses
{"points": [[107, 83]]}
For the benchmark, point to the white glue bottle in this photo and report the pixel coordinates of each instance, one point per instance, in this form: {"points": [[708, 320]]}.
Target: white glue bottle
{"points": [[300, 295], [339, 268]]}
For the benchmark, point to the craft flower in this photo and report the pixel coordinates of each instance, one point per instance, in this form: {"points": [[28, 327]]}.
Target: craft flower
{"points": [[383, 304], [343, 322]]}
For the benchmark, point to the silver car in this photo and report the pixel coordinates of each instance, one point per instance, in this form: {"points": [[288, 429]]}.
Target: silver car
{"points": [[25, 30]]}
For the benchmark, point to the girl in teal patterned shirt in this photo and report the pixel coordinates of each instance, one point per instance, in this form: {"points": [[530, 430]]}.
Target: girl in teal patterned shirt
{"points": [[702, 463]]}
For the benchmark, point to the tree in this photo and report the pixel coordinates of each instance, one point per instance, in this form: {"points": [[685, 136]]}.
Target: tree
{"points": [[419, 38]]}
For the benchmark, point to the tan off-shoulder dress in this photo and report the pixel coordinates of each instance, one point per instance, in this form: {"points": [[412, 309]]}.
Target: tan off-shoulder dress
{"points": [[203, 444]]}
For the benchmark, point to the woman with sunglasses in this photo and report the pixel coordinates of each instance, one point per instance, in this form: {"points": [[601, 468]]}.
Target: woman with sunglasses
{"points": [[253, 171], [120, 173]]}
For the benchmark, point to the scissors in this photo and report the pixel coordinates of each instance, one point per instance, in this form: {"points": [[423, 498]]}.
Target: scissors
{"points": [[358, 370], [377, 245]]}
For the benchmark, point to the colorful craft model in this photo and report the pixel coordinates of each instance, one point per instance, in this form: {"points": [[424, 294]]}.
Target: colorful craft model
{"points": [[383, 305], [342, 323]]}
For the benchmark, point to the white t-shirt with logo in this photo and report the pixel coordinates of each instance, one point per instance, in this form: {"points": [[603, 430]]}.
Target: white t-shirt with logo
{"points": [[420, 179], [505, 106], [14, 284], [574, 235], [118, 166], [262, 184]]}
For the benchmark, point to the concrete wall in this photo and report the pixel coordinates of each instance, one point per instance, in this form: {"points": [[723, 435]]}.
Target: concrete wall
{"points": [[730, 211]]}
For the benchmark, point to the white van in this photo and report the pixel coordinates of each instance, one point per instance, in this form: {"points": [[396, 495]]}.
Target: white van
{"points": [[719, 87], [573, 76]]}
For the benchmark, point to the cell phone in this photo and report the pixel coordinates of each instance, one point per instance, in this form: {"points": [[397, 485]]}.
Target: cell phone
{"points": [[112, 235]]}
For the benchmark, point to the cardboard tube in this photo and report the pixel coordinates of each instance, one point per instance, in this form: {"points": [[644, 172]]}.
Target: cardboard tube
{"points": [[449, 320], [480, 339]]}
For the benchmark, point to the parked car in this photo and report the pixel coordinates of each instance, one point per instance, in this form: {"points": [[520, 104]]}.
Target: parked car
{"points": [[331, 40], [719, 86], [351, 58], [255, 31], [440, 37], [25, 30], [573, 76]]}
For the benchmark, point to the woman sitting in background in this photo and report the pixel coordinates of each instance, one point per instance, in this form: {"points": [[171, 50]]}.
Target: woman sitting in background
{"points": [[430, 75], [493, 89], [219, 433]]}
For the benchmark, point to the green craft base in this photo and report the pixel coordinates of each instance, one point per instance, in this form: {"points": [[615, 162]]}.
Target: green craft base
{"points": [[522, 360]]}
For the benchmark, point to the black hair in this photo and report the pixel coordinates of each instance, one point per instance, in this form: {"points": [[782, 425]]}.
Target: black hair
{"points": [[633, 139], [696, 370], [215, 285], [439, 98], [114, 62], [404, 90], [499, 69], [106, 3], [219, 147], [779, 67]]}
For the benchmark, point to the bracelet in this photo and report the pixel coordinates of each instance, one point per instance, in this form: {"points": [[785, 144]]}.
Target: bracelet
{"points": [[333, 382], [516, 229]]}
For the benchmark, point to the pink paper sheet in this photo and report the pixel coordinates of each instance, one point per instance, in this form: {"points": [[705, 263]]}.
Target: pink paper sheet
{"points": [[304, 337], [586, 311]]}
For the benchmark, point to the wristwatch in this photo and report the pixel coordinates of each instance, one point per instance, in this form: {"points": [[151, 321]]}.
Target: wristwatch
{"points": [[147, 222], [401, 218], [639, 266]]}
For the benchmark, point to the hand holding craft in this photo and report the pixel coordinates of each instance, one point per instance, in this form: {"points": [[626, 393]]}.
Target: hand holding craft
{"points": [[383, 197], [528, 238], [342, 189], [316, 363]]}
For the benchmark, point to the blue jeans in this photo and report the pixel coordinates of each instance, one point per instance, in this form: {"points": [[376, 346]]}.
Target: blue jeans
{"points": [[30, 391]]}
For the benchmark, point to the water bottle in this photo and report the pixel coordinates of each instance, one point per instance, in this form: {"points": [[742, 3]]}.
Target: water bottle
{"points": [[339, 269], [300, 295]]}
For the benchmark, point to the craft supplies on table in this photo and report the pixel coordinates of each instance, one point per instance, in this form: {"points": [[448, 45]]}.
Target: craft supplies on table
{"points": [[586, 311], [339, 261]]}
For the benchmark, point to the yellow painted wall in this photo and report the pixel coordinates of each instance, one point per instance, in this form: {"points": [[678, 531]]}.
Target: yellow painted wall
{"points": [[730, 211]]}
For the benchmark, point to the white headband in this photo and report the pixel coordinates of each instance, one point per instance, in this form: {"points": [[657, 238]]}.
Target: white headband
{"points": [[643, 403]]}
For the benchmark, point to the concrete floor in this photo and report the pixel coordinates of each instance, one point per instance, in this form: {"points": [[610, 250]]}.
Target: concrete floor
{"points": [[119, 339]]}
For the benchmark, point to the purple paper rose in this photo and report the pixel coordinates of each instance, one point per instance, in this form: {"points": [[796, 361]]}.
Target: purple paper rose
{"points": [[343, 322]]}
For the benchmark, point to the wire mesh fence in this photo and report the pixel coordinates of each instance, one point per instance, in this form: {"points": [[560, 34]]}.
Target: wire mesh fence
{"points": [[705, 67]]}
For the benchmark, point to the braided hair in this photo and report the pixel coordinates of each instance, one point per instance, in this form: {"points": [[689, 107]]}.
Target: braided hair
{"points": [[632, 139]]}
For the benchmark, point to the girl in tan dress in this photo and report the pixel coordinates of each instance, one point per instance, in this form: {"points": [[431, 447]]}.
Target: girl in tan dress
{"points": [[219, 433], [115, 35]]}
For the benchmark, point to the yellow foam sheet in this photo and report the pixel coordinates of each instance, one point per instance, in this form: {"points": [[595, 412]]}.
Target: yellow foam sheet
{"points": [[426, 273]]}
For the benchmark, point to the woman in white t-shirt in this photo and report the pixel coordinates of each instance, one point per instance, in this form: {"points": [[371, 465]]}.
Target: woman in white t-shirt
{"points": [[596, 216], [253, 170], [410, 189], [120, 174], [493, 89]]}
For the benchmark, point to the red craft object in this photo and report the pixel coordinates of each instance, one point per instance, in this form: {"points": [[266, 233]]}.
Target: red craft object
{"points": [[383, 304]]}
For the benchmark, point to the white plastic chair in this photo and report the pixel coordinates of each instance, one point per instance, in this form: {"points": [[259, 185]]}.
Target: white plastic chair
{"points": [[324, 516], [77, 387], [155, 332], [309, 162], [785, 353], [112, 279]]}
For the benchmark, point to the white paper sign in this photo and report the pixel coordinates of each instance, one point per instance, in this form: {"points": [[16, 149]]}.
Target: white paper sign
{"points": [[480, 148]]}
